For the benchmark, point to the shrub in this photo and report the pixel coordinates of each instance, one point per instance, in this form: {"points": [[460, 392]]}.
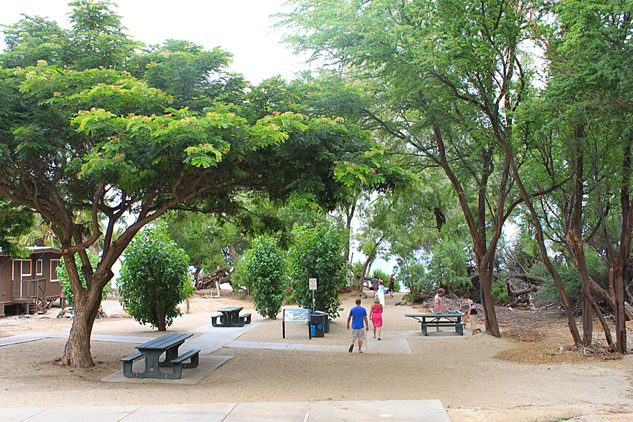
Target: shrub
{"points": [[317, 252], [412, 274], [154, 278], [447, 266], [380, 274], [499, 290], [264, 267], [62, 274]]}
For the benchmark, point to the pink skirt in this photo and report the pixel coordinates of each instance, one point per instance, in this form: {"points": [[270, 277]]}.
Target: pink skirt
{"points": [[376, 319]]}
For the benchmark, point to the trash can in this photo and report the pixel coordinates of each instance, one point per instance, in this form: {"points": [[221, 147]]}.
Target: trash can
{"points": [[326, 325], [317, 324]]}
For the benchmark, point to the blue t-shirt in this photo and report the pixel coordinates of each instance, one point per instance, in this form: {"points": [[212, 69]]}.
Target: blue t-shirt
{"points": [[358, 314]]}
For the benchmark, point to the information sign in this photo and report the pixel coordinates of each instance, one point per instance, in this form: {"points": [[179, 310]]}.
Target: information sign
{"points": [[295, 315], [313, 284]]}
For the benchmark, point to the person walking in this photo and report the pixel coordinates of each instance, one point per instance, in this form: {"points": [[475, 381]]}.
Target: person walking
{"points": [[438, 306], [376, 316], [381, 292], [358, 316], [392, 284]]}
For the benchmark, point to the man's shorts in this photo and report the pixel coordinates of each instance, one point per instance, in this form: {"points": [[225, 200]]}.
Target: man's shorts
{"points": [[358, 333]]}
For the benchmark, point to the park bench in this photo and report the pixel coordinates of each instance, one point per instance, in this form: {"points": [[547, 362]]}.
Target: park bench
{"points": [[154, 349], [439, 320], [230, 317]]}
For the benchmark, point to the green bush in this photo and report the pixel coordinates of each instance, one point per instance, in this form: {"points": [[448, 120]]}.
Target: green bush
{"points": [[499, 290], [317, 252], [154, 278], [382, 276], [265, 267], [412, 274], [239, 279], [448, 265], [62, 274]]}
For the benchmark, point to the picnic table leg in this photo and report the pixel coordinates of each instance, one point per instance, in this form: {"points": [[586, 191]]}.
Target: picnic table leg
{"points": [[152, 365], [127, 370], [424, 329], [177, 372], [169, 355]]}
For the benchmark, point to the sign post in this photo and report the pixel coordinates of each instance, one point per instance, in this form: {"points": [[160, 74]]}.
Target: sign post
{"points": [[313, 287]]}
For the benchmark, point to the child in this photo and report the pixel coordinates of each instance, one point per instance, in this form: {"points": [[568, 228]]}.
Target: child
{"points": [[438, 306], [358, 315]]}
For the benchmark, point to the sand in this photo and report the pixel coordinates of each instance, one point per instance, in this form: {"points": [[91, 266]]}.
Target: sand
{"points": [[463, 372]]}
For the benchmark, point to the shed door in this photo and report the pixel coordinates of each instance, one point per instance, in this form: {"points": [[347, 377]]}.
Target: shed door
{"points": [[21, 269]]}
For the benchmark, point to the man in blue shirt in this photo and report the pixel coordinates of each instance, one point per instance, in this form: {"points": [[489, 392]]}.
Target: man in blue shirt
{"points": [[357, 315]]}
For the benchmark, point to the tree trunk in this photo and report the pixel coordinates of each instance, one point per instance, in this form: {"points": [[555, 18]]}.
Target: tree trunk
{"points": [[576, 239], [234, 257], [484, 254], [160, 315], [349, 216], [490, 316], [541, 243], [77, 350], [619, 270]]}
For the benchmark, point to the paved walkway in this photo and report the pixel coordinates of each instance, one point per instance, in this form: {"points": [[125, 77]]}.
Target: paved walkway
{"points": [[318, 411], [211, 339]]}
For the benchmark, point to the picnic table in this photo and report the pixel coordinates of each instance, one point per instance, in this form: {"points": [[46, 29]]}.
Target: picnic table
{"points": [[439, 320], [230, 317], [154, 349]]}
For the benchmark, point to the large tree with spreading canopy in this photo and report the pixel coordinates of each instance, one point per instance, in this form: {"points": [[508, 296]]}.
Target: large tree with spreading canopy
{"points": [[81, 133]]}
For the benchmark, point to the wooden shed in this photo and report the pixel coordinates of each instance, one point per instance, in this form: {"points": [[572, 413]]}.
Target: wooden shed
{"points": [[31, 284]]}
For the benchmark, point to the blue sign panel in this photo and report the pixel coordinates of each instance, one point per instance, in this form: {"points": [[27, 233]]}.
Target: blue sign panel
{"points": [[296, 315]]}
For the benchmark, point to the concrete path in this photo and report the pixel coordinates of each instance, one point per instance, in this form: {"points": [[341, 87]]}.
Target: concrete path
{"points": [[319, 411]]}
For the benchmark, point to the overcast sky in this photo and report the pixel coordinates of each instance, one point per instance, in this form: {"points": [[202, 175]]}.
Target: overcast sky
{"points": [[242, 27]]}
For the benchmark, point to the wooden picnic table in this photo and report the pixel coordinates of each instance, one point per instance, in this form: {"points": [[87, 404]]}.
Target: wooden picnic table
{"points": [[154, 349], [439, 320], [230, 317]]}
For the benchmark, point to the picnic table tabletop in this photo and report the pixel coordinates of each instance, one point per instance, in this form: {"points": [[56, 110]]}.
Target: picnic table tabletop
{"points": [[165, 342], [433, 315], [231, 309]]}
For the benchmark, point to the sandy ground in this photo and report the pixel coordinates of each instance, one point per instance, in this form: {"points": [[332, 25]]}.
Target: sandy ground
{"points": [[465, 373]]}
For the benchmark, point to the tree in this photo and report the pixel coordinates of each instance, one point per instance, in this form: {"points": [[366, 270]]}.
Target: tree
{"points": [[64, 280], [209, 240], [101, 141], [265, 269], [154, 278], [317, 252], [446, 78], [588, 48]]}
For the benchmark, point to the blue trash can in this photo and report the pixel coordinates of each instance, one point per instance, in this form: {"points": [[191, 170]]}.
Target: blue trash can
{"points": [[317, 324]]}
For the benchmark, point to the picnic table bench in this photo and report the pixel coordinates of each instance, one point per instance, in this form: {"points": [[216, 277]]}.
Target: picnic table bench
{"points": [[439, 320], [230, 317], [154, 349]]}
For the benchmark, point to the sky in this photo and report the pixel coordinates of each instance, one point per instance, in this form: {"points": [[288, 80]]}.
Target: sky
{"points": [[242, 27]]}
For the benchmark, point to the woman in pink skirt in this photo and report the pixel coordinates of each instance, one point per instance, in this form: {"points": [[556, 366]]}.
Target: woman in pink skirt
{"points": [[376, 315]]}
